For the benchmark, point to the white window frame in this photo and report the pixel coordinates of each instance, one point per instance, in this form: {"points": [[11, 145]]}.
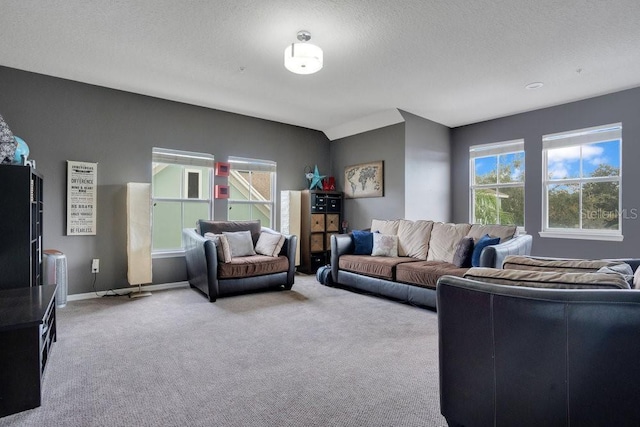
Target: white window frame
{"points": [[243, 164], [494, 149], [580, 138], [185, 159]]}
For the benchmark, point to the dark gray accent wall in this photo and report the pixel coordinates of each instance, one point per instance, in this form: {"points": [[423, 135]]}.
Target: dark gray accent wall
{"points": [[427, 164], [617, 107], [385, 144], [64, 120]]}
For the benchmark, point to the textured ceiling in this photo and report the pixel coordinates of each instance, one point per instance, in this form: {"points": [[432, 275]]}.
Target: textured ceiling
{"points": [[454, 62]]}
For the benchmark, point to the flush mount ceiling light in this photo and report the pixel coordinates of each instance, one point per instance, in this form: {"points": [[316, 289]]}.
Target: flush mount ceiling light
{"points": [[534, 85], [303, 58]]}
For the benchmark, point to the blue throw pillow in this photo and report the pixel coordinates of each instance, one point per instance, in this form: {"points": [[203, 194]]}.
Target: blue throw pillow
{"points": [[482, 243], [363, 241]]}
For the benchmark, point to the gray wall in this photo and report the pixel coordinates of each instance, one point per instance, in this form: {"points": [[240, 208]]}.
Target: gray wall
{"points": [[64, 120], [416, 156], [427, 163], [618, 107], [386, 144]]}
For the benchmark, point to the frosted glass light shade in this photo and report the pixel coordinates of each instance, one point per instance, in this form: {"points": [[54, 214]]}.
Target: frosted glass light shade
{"points": [[303, 58]]}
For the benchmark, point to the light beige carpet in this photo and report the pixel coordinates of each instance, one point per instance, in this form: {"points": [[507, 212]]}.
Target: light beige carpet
{"points": [[312, 356]]}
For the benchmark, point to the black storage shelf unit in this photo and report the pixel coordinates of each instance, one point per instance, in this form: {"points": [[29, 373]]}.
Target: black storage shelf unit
{"points": [[321, 217], [27, 307]]}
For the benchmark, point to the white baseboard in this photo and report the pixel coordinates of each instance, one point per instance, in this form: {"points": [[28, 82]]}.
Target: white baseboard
{"points": [[144, 288]]}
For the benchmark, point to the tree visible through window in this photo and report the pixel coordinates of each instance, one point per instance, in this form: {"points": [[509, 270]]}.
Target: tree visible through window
{"points": [[582, 174], [252, 185], [497, 183]]}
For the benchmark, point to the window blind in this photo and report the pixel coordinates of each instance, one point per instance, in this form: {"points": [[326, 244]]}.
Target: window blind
{"points": [[494, 149], [583, 136], [253, 165], [187, 158]]}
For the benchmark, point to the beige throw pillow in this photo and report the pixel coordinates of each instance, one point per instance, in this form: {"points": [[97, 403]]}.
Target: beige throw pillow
{"points": [[413, 238], [222, 246], [504, 232], [269, 244], [444, 240], [384, 226]]}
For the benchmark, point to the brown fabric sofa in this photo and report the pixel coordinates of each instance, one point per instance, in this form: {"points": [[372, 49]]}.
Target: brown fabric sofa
{"points": [[425, 253], [215, 278]]}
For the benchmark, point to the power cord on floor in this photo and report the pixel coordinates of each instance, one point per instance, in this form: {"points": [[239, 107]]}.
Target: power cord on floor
{"points": [[107, 293]]}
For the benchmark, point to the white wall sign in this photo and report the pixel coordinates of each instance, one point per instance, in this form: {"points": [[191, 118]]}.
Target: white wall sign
{"points": [[82, 195]]}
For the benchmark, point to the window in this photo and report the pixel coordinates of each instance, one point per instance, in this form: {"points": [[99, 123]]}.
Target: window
{"points": [[582, 183], [252, 187], [193, 183], [181, 193], [497, 183]]}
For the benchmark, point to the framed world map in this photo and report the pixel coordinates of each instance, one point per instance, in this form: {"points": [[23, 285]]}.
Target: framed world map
{"points": [[364, 180]]}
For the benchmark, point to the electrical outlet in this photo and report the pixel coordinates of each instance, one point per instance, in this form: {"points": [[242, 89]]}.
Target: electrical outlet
{"points": [[95, 265]]}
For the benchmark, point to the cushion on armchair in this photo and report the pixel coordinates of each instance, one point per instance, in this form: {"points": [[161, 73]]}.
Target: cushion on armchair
{"points": [[218, 227], [222, 246], [240, 243], [269, 244], [251, 266]]}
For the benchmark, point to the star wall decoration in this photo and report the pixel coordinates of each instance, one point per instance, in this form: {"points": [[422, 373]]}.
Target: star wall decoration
{"points": [[316, 181]]}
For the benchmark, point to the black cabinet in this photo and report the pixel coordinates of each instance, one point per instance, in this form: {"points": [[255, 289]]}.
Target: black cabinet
{"points": [[27, 332], [20, 227], [321, 217]]}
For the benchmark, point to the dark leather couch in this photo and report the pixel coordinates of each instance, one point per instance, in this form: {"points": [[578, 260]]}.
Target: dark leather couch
{"points": [[202, 261], [516, 356]]}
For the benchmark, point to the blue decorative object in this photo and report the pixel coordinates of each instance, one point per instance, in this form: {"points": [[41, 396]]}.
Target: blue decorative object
{"points": [[316, 181], [363, 242], [22, 152], [483, 242]]}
